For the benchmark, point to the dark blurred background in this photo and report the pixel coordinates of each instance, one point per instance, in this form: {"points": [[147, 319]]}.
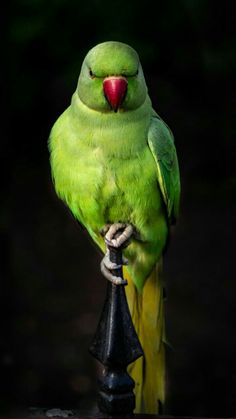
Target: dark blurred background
{"points": [[51, 288]]}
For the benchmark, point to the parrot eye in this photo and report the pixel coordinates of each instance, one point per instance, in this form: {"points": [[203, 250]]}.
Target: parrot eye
{"points": [[136, 73], [91, 73]]}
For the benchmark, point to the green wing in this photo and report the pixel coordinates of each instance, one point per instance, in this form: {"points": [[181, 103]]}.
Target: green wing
{"points": [[161, 143]]}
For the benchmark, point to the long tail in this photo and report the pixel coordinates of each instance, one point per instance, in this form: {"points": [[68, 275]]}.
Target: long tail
{"points": [[147, 314]]}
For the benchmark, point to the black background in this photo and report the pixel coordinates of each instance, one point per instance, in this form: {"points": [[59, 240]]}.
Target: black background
{"points": [[51, 287]]}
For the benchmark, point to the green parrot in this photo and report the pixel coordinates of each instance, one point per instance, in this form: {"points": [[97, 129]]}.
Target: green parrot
{"points": [[114, 164]]}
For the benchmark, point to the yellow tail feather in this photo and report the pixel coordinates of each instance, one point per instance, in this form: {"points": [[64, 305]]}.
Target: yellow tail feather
{"points": [[147, 313]]}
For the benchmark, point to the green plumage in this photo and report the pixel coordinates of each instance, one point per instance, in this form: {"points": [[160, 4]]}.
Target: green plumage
{"points": [[117, 166]]}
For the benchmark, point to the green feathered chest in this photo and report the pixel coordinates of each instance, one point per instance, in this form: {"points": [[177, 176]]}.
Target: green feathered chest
{"points": [[106, 175]]}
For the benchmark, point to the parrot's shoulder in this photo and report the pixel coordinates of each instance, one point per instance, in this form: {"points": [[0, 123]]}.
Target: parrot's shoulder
{"points": [[61, 126], [161, 143]]}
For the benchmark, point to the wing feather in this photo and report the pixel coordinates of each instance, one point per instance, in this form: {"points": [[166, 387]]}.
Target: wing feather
{"points": [[161, 143]]}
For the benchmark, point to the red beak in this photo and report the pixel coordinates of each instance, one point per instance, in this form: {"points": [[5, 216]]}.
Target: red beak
{"points": [[114, 89]]}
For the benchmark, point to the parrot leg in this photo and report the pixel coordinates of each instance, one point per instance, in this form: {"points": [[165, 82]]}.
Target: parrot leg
{"points": [[123, 239], [107, 266]]}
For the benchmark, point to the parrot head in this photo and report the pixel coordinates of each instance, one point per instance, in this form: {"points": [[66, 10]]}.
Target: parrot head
{"points": [[112, 79]]}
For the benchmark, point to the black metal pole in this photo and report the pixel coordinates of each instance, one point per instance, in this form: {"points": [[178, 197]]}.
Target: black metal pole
{"points": [[116, 345]]}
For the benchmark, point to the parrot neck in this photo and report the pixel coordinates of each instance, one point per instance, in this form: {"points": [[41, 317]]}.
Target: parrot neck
{"points": [[121, 133]]}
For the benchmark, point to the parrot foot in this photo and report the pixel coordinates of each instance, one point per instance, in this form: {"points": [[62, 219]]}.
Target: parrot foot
{"points": [[111, 265], [116, 235], [107, 266], [123, 239]]}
